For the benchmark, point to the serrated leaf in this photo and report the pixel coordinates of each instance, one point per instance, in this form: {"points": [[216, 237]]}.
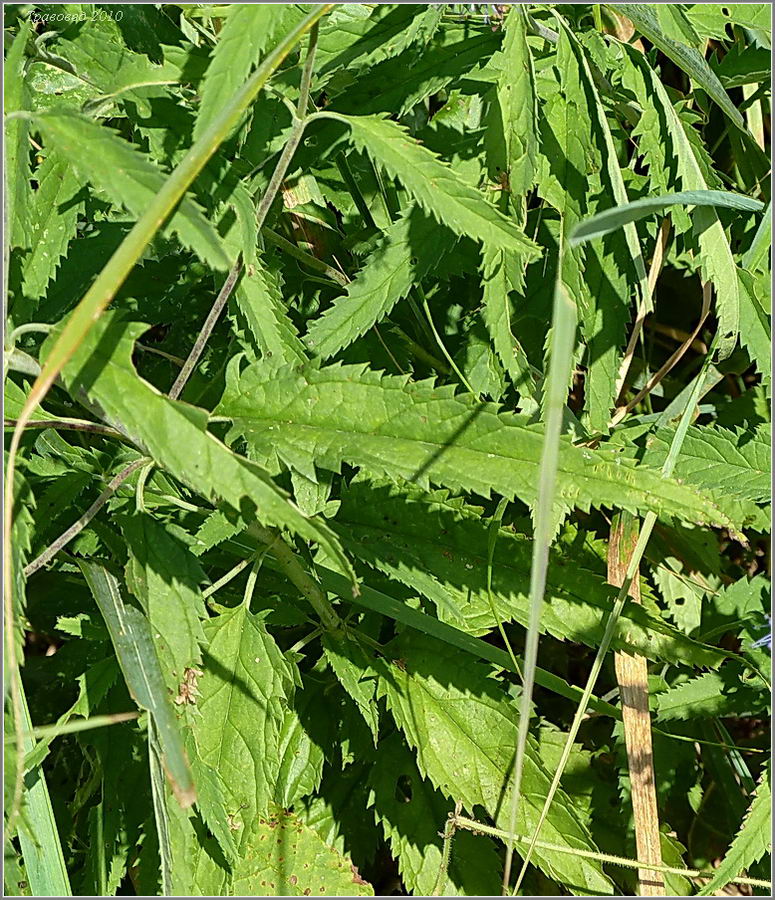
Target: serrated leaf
{"points": [[439, 705], [283, 857], [132, 640], [248, 30], [427, 434], [407, 252], [733, 461], [643, 17], [260, 302], [301, 762], [54, 213], [715, 255], [752, 841], [175, 434], [351, 666], [755, 324], [244, 692], [500, 275], [128, 177], [435, 185], [412, 814], [713, 694], [438, 546]]}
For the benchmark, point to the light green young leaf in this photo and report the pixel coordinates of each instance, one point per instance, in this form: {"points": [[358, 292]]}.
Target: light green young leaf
{"points": [[408, 251], [411, 813], [175, 434], [132, 640], [243, 701], [282, 857], [427, 434], [17, 150], [643, 17], [248, 30], [54, 213], [434, 184], [165, 576], [128, 177], [438, 704], [752, 841]]}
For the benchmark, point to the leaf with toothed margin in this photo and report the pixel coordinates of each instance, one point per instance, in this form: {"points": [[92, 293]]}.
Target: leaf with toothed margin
{"points": [[175, 434], [427, 434], [435, 185]]}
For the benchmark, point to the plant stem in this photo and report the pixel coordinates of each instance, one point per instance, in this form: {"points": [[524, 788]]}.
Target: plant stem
{"points": [[480, 828], [78, 526]]}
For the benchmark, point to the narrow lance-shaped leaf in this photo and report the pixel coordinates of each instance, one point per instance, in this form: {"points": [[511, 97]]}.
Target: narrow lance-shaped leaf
{"points": [[643, 17], [715, 255], [175, 434], [17, 164], [434, 184], [136, 654], [409, 249], [128, 177], [248, 30], [427, 434]]}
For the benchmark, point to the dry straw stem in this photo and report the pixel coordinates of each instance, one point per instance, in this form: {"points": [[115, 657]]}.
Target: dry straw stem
{"points": [[632, 677]]}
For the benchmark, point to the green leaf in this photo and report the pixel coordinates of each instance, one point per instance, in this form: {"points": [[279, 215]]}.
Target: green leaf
{"points": [[412, 813], [54, 209], [127, 176], [165, 576], [301, 762], [438, 705], [133, 642], [713, 694], [438, 546], [17, 150], [244, 694], [260, 302], [755, 324], [715, 254], [643, 17], [434, 184], [175, 434], [733, 461], [283, 857], [248, 30], [501, 274], [518, 104], [752, 841], [408, 251], [350, 663], [611, 219], [427, 434]]}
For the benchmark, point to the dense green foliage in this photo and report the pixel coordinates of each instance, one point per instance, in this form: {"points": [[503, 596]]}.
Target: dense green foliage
{"points": [[271, 572]]}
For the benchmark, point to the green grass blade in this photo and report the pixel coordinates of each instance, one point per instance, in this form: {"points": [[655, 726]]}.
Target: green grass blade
{"points": [[38, 834]]}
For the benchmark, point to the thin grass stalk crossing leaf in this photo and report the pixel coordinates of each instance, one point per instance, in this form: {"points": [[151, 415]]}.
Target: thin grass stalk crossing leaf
{"points": [[632, 569]]}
